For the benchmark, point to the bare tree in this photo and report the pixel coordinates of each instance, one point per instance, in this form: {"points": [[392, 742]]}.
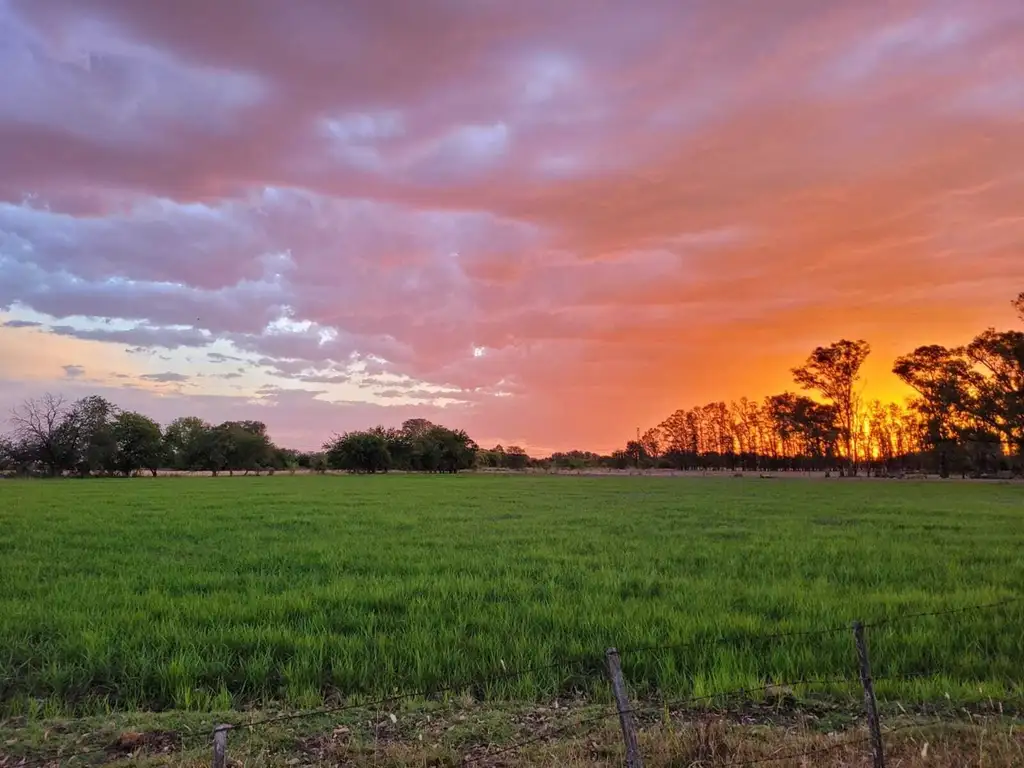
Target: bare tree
{"points": [[41, 425], [1018, 304]]}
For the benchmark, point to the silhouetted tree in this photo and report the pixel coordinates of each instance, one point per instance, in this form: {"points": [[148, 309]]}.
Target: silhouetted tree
{"points": [[804, 427], [834, 371], [946, 384], [1000, 402]]}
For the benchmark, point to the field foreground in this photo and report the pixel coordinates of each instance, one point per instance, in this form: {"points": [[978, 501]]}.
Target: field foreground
{"points": [[460, 733], [224, 594]]}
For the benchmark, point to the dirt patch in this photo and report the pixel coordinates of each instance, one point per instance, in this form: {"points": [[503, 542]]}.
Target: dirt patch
{"points": [[135, 743]]}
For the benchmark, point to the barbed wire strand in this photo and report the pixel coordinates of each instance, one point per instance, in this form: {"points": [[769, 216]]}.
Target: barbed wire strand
{"points": [[726, 640], [512, 675], [677, 703], [963, 609]]}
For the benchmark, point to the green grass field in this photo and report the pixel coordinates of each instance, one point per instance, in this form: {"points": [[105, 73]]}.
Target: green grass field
{"points": [[217, 593]]}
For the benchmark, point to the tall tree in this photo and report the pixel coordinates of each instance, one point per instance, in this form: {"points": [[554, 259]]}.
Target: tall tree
{"points": [[244, 445], [834, 372], [453, 449], [946, 384], [676, 435], [91, 420], [999, 355], [416, 428], [362, 452], [650, 441], [804, 427], [746, 418], [186, 440], [139, 443]]}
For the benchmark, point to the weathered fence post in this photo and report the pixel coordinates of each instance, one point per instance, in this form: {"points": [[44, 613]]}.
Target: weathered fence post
{"points": [[633, 757], [870, 706], [220, 745]]}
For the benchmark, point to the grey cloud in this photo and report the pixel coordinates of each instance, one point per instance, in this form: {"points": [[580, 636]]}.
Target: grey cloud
{"points": [[167, 377], [21, 324], [140, 336], [73, 371], [424, 395], [336, 378], [156, 242], [219, 357]]}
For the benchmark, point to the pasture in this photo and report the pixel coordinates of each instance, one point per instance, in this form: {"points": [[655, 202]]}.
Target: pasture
{"points": [[219, 593]]}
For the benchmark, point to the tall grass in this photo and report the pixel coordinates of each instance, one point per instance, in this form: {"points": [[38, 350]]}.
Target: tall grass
{"points": [[206, 593]]}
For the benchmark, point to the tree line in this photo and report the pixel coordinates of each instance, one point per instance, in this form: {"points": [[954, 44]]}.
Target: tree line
{"points": [[93, 437], [966, 417], [52, 436]]}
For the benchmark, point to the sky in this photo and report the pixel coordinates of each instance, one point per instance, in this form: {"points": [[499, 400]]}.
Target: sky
{"points": [[547, 223]]}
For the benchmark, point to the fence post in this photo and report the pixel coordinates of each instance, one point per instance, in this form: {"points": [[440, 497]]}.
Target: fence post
{"points": [[220, 745], [870, 706], [633, 757]]}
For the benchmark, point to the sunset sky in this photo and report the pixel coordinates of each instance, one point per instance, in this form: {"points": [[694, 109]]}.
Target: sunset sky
{"points": [[545, 221]]}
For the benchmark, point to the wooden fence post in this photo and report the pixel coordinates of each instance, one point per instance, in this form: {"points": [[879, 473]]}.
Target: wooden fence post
{"points": [[220, 746], [870, 705], [633, 757]]}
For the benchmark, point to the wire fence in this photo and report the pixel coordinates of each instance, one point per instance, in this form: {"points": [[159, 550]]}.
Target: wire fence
{"points": [[623, 710]]}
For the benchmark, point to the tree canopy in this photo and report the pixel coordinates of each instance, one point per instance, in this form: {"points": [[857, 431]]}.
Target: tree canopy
{"points": [[419, 446]]}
